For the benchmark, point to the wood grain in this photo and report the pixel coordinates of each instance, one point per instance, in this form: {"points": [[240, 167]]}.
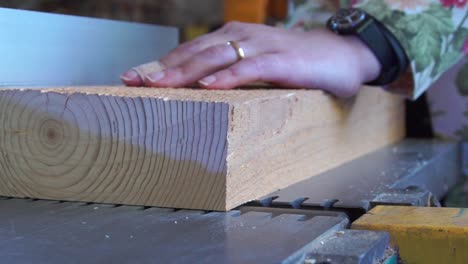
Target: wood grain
{"points": [[182, 148]]}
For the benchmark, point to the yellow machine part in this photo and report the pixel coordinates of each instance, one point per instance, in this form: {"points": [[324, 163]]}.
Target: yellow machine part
{"points": [[254, 11], [422, 234]]}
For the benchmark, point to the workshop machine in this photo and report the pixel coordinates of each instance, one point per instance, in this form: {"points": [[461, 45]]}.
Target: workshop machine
{"points": [[308, 222]]}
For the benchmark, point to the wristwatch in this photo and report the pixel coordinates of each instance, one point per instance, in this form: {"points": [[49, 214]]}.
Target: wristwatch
{"points": [[385, 46]]}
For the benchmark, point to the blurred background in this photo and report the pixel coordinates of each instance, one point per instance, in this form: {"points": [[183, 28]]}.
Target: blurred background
{"points": [[191, 17]]}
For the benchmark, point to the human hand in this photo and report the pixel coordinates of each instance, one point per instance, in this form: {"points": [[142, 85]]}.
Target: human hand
{"points": [[317, 59]]}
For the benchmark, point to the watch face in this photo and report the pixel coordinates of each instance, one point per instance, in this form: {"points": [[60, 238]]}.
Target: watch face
{"points": [[347, 20]]}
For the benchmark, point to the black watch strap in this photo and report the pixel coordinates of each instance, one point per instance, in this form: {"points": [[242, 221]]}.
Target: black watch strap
{"points": [[398, 51], [373, 36], [377, 37]]}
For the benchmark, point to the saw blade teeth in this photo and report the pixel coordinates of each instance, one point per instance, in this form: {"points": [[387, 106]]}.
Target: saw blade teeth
{"points": [[329, 203], [268, 202], [297, 203]]}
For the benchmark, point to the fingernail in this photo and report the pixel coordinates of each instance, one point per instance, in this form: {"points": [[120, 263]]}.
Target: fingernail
{"points": [[129, 76], [207, 80], [154, 77]]}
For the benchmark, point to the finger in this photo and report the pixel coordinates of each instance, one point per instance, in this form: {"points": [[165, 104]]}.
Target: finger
{"points": [[202, 64], [264, 68], [187, 50], [274, 68], [131, 78], [231, 31], [137, 75]]}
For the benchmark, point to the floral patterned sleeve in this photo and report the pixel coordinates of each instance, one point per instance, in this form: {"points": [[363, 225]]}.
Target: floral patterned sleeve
{"points": [[434, 34]]}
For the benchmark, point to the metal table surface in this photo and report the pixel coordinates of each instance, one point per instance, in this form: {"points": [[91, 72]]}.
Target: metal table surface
{"points": [[398, 170], [282, 228], [54, 232]]}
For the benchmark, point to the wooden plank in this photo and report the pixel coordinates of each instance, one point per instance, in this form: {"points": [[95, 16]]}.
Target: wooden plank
{"points": [[182, 148]]}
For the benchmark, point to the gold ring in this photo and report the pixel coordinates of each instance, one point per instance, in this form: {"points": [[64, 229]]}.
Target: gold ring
{"points": [[239, 51]]}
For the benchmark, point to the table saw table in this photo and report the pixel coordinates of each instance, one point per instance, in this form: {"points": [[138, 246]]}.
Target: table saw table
{"points": [[304, 223]]}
